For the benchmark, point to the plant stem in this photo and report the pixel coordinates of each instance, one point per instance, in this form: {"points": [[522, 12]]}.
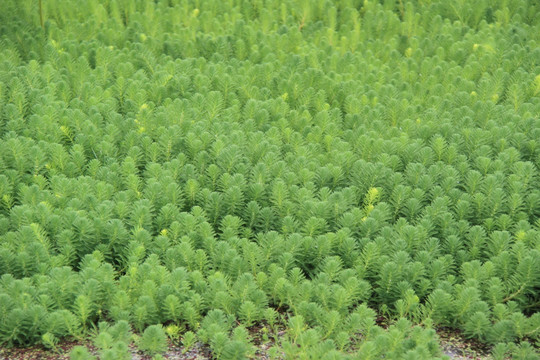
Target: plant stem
{"points": [[511, 296], [41, 14]]}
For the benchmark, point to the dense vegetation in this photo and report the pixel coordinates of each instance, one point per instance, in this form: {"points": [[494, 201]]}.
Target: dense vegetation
{"points": [[188, 169]]}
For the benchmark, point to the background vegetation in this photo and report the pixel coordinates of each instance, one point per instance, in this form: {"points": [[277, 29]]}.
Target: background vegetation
{"points": [[189, 169]]}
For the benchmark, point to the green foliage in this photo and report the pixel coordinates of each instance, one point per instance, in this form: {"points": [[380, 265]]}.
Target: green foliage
{"points": [[188, 340], [80, 353], [112, 341], [305, 166], [153, 340]]}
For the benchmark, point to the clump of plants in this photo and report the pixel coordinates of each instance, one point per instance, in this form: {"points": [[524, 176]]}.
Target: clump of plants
{"points": [[191, 170]]}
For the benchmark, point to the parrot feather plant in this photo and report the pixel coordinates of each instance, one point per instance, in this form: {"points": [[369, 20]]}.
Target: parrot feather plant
{"points": [[299, 179]]}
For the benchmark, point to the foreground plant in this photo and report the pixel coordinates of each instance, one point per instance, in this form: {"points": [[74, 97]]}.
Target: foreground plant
{"points": [[153, 340]]}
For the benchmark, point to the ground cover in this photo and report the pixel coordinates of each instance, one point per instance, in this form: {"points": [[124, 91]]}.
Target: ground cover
{"points": [[282, 179]]}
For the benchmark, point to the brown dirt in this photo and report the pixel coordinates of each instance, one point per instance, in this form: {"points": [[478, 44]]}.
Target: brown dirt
{"points": [[454, 345], [38, 352]]}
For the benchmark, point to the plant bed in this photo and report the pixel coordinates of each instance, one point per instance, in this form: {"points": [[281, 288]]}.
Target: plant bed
{"points": [[275, 179]]}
